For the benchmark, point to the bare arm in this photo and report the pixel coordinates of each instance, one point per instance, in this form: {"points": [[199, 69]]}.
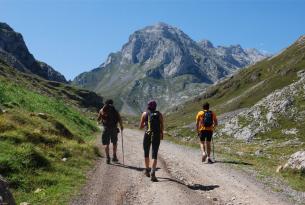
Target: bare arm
{"points": [[99, 116], [197, 124], [142, 121]]}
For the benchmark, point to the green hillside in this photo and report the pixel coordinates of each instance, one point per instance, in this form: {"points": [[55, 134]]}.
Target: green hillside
{"points": [[246, 87], [267, 150], [46, 138]]}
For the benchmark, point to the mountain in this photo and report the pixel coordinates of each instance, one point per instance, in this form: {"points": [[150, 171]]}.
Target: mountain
{"points": [[261, 112], [163, 63], [15, 53], [247, 86], [47, 135]]}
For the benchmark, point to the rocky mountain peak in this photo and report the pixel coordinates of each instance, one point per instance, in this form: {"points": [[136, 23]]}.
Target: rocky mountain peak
{"points": [[15, 53], [159, 45], [4, 26], [164, 54], [301, 40], [205, 44]]}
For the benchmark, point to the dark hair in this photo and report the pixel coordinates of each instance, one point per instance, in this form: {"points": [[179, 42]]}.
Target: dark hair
{"points": [[152, 105], [206, 106], [109, 102]]}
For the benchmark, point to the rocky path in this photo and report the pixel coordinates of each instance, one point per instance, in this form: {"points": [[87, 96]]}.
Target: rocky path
{"points": [[183, 179]]}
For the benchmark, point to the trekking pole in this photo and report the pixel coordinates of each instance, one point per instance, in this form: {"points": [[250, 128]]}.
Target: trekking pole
{"points": [[122, 146]]}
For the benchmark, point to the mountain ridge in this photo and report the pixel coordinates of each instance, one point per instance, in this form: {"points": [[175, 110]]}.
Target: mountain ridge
{"points": [[14, 52], [164, 63]]}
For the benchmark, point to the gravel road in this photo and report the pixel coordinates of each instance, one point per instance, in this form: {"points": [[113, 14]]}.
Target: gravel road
{"points": [[183, 179]]}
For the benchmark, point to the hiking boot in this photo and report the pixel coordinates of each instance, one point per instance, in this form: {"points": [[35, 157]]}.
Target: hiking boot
{"points": [[108, 160], [115, 159], [204, 157], [147, 172], [153, 177], [210, 161]]}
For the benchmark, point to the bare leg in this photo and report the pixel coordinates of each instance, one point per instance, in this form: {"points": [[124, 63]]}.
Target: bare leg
{"points": [[202, 146], [209, 148], [107, 150], [203, 150], [153, 170], [154, 164], [147, 162], [114, 148]]}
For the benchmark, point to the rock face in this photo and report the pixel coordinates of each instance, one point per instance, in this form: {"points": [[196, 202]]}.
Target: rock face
{"points": [[296, 161], [163, 63], [5, 195], [264, 115], [15, 53]]}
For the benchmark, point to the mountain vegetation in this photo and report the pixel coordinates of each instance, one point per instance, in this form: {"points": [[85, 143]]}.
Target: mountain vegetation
{"points": [[161, 62], [47, 132], [261, 111]]}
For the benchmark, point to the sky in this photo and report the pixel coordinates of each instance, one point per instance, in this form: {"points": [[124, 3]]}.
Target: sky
{"points": [[74, 36]]}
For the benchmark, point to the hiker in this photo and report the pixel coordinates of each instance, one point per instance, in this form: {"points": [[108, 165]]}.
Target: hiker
{"points": [[110, 118], [206, 121], [152, 120]]}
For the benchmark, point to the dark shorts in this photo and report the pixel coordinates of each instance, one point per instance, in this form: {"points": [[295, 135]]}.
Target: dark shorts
{"points": [[154, 141], [206, 135], [110, 134]]}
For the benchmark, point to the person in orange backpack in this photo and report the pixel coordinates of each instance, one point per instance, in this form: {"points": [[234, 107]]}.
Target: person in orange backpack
{"points": [[206, 121]]}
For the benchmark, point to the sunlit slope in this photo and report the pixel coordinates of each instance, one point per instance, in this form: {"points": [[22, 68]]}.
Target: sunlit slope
{"points": [[46, 137]]}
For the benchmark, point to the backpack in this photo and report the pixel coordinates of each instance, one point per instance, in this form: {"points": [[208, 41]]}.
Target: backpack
{"points": [[153, 123], [111, 118], [207, 120]]}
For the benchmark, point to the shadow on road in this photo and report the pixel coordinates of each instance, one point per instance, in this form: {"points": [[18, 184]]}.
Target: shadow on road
{"points": [[234, 162], [139, 169], [193, 186]]}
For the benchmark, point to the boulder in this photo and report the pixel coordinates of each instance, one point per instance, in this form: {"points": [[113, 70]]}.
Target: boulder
{"points": [[279, 169], [292, 131], [296, 161], [42, 115], [5, 195]]}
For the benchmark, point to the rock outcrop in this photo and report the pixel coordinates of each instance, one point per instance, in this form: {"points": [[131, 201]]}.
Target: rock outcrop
{"points": [[264, 115], [6, 196], [296, 161], [163, 63], [14, 52]]}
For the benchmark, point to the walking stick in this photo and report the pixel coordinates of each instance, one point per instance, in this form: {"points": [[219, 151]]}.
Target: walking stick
{"points": [[122, 145]]}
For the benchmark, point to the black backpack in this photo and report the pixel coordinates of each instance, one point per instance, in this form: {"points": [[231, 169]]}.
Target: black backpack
{"points": [[112, 117], [153, 123], [207, 120]]}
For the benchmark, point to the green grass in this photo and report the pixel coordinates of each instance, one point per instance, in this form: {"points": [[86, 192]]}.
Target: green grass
{"points": [[247, 86], [243, 90], [32, 146]]}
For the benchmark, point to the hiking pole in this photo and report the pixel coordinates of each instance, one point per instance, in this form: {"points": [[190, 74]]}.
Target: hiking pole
{"points": [[122, 145]]}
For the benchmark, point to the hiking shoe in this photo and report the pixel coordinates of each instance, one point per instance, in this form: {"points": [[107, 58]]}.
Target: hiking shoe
{"points": [[153, 177], [204, 157], [115, 159], [108, 161], [147, 172], [210, 161]]}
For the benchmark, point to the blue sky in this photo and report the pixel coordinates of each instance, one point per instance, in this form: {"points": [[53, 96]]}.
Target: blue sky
{"points": [[74, 36]]}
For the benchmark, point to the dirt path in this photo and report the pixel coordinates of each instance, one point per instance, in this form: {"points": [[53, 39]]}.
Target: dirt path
{"points": [[183, 179]]}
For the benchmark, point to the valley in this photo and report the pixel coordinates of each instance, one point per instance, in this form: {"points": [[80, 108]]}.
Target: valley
{"points": [[50, 141]]}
